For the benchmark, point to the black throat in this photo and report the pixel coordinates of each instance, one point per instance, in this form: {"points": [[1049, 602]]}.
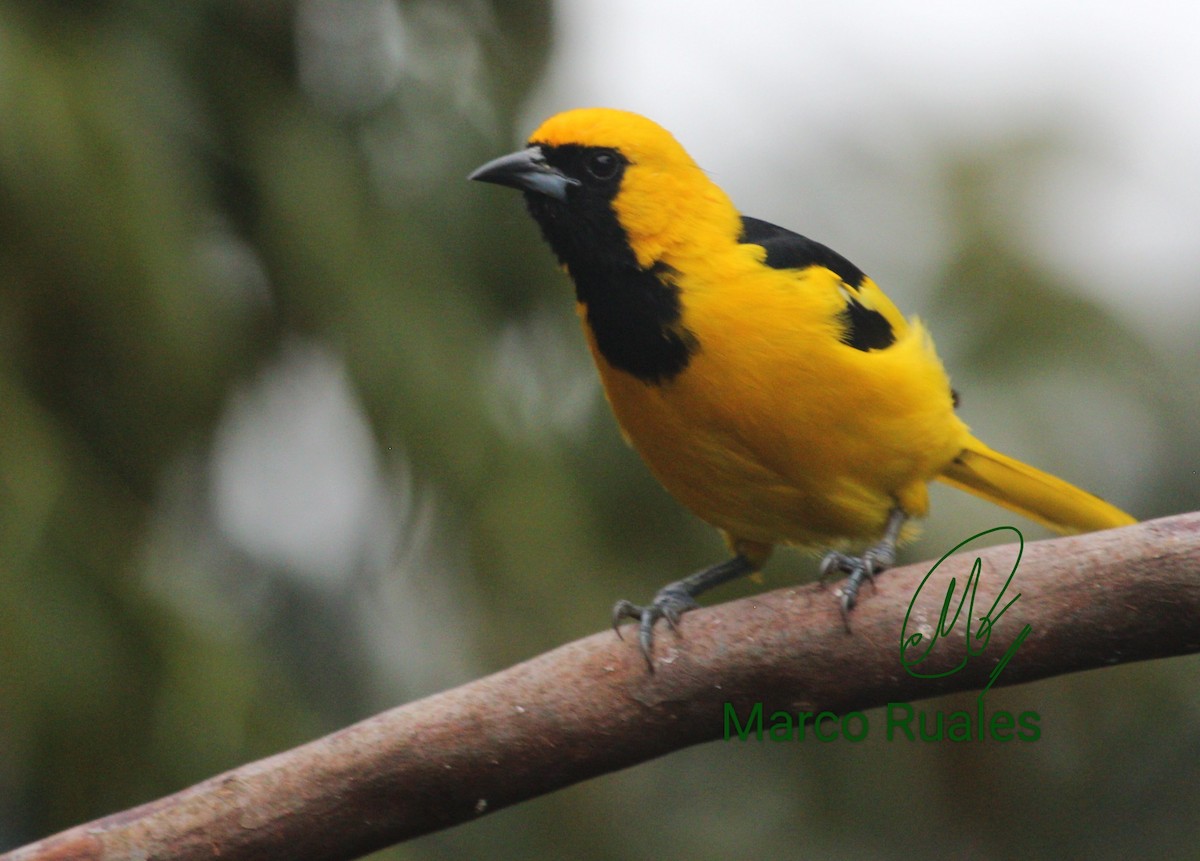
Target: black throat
{"points": [[633, 313]]}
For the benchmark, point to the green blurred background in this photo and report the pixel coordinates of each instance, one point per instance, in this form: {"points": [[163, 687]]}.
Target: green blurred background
{"points": [[297, 425]]}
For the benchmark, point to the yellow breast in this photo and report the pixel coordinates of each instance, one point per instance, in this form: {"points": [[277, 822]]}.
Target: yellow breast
{"points": [[777, 432]]}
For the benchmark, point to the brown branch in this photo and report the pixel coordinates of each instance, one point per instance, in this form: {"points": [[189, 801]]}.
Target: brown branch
{"points": [[590, 707]]}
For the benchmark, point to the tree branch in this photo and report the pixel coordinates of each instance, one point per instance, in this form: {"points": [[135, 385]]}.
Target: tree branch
{"points": [[590, 707]]}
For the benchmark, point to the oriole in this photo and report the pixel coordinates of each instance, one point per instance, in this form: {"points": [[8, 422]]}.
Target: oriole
{"points": [[767, 382]]}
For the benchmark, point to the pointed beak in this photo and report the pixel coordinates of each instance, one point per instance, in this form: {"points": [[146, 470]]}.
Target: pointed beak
{"points": [[526, 170]]}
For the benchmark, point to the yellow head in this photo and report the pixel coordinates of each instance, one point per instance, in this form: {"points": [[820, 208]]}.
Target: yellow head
{"points": [[584, 166], [642, 140]]}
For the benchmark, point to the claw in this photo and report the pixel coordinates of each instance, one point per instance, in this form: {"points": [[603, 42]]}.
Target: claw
{"points": [[621, 611], [646, 637], [673, 600], [865, 567], [669, 604], [857, 569], [862, 570]]}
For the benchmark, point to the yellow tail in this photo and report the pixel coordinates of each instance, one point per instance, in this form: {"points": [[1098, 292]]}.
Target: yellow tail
{"points": [[1037, 495]]}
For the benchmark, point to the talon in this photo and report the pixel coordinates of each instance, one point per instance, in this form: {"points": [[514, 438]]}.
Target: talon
{"points": [[858, 570], [669, 604], [830, 562], [621, 611], [646, 636], [878, 559], [675, 599], [645, 618], [865, 567], [853, 584], [846, 605]]}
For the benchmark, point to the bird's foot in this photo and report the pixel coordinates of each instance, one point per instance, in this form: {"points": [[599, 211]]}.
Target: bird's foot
{"points": [[675, 599], [865, 567], [857, 569], [671, 602]]}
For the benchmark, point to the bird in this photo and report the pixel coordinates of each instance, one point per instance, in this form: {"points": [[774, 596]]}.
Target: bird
{"points": [[767, 382]]}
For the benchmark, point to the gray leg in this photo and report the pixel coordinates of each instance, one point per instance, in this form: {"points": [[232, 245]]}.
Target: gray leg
{"points": [[675, 599]]}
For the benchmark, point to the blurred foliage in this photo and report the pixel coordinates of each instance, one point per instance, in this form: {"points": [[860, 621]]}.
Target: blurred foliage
{"points": [[296, 425]]}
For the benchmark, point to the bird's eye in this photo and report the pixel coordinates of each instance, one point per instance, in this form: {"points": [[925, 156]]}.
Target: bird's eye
{"points": [[603, 165]]}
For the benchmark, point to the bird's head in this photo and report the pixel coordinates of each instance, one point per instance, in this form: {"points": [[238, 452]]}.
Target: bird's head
{"points": [[599, 181]]}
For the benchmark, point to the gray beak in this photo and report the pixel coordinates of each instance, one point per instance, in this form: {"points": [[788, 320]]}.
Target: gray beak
{"points": [[526, 170]]}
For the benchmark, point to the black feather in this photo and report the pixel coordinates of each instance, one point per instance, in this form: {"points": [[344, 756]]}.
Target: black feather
{"points": [[865, 329], [634, 313], [789, 250]]}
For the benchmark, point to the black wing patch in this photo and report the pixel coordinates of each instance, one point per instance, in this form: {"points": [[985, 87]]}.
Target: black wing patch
{"points": [[788, 250], [865, 329]]}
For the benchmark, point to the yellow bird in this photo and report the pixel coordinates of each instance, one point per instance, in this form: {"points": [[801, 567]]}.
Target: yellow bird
{"points": [[766, 381]]}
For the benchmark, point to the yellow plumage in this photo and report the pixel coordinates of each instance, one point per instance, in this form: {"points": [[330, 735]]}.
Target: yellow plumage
{"points": [[809, 446], [782, 399]]}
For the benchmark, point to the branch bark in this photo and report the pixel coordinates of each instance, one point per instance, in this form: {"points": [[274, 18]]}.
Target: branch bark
{"points": [[590, 707]]}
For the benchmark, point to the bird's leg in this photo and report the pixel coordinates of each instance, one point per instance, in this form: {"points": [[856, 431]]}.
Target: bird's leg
{"points": [[865, 567], [675, 599]]}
